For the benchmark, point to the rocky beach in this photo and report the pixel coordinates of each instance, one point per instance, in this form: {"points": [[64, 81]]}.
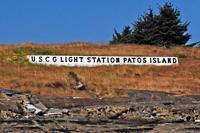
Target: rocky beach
{"points": [[141, 111]]}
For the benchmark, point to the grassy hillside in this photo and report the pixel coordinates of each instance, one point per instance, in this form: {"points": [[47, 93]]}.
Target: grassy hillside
{"points": [[17, 73]]}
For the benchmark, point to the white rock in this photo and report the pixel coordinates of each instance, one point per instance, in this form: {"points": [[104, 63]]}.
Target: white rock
{"points": [[32, 108], [198, 121], [53, 111]]}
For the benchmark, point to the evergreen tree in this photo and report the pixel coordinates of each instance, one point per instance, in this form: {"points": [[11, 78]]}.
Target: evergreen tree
{"points": [[165, 29], [171, 29], [124, 37], [116, 37], [146, 29]]}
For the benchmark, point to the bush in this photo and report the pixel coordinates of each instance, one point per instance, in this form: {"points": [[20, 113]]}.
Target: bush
{"points": [[33, 50]]}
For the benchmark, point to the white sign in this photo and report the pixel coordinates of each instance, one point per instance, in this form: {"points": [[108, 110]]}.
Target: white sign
{"points": [[90, 61]]}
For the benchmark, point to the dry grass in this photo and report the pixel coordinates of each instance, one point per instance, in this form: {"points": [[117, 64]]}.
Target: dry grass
{"points": [[16, 73]]}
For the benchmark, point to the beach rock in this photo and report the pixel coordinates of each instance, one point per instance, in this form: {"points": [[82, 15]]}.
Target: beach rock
{"points": [[35, 101], [75, 81], [53, 111], [79, 86], [142, 111]]}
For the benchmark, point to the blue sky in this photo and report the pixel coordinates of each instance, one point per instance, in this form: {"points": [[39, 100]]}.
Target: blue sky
{"points": [[58, 21]]}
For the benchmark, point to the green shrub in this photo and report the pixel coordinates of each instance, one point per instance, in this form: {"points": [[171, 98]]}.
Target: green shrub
{"points": [[33, 50], [182, 56]]}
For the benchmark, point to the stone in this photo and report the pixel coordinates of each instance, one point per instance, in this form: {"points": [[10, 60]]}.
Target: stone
{"points": [[79, 86], [41, 106], [9, 92], [32, 109], [53, 111], [197, 121], [75, 81]]}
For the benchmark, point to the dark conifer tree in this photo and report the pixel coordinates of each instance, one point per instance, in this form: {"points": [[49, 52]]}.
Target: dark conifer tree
{"points": [[124, 37], [165, 29], [146, 29], [171, 29]]}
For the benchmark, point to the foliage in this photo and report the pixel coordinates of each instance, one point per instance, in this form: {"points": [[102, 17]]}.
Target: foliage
{"points": [[171, 29], [165, 29], [146, 29], [124, 37], [32, 50]]}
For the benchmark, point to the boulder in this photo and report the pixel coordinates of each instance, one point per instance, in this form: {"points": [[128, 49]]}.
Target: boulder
{"points": [[75, 81], [35, 101], [79, 86], [54, 111]]}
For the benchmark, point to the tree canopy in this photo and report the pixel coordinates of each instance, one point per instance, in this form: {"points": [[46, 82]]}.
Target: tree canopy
{"points": [[165, 29]]}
